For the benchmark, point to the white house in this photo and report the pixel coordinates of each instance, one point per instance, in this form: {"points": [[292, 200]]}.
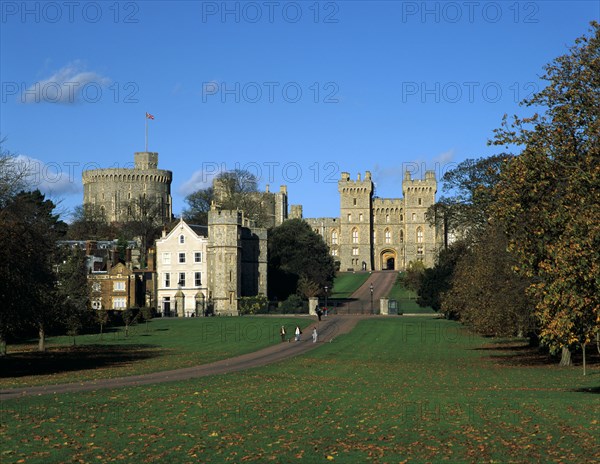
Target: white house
{"points": [[182, 271]]}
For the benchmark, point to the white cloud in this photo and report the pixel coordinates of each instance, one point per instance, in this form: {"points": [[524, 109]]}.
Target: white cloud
{"points": [[53, 179], [70, 84], [197, 181]]}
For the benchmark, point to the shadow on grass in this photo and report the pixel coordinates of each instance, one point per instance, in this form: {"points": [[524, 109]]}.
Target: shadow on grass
{"points": [[593, 390], [523, 355], [74, 358]]}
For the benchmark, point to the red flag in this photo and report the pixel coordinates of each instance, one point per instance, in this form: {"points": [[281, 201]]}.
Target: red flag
{"points": [[149, 116]]}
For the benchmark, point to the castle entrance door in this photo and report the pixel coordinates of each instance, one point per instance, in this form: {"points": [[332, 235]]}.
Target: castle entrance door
{"points": [[388, 260]]}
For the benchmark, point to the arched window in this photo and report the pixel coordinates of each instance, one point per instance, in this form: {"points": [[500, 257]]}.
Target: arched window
{"points": [[354, 235], [388, 236], [334, 237], [419, 235]]}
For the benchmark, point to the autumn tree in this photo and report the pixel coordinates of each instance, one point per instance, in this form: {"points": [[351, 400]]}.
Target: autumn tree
{"points": [[297, 255], [549, 197], [89, 223]]}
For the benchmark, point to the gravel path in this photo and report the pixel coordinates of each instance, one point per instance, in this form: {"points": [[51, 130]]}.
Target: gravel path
{"points": [[328, 329]]}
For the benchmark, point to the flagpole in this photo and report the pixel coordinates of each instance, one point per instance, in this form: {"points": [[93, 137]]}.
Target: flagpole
{"points": [[146, 118]]}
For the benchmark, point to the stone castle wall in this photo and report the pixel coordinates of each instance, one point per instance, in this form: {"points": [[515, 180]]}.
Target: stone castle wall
{"points": [[116, 190]]}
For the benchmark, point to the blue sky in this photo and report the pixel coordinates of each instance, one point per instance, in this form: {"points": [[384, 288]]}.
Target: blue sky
{"points": [[296, 92]]}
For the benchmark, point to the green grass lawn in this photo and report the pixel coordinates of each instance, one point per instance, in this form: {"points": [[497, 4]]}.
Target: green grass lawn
{"points": [[407, 300], [394, 390], [346, 283], [163, 344]]}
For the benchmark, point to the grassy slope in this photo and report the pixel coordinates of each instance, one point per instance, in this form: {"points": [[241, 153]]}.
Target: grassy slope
{"points": [[162, 345], [393, 390], [346, 283]]}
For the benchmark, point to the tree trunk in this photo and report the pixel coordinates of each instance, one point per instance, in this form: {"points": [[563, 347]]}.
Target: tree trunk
{"points": [[565, 359], [42, 339], [2, 345]]}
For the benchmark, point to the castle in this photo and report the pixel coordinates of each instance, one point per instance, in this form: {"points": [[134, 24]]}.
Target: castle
{"points": [[371, 233], [118, 192], [380, 233]]}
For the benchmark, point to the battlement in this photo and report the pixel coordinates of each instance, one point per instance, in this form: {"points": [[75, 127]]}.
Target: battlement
{"points": [[145, 160], [110, 175]]}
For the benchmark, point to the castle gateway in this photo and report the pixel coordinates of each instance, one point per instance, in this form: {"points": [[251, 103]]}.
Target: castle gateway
{"points": [[380, 233]]}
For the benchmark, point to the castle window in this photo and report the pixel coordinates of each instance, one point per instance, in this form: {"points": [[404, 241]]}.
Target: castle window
{"points": [[167, 279], [197, 279], [355, 251], [401, 236], [334, 252], [317, 231], [388, 236], [349, 217], [414, 216], [197, 256], [360, 217], [419, 235], [387, 218], [420, 201], [182, 239], [166, 258], [420, 250], [181, 282], [401, 217], [354, 235], [182, 257], [334, 237], [354, 201]]}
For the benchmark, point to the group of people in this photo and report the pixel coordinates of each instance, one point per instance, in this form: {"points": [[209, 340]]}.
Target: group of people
{"points": [[298, 334]]}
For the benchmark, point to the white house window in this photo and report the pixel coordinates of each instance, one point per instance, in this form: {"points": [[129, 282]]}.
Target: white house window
{"points": [[119, 286], [388, 236], [354, 235], [181, 279], [167, 279], [334, 237], [197, 256], [182, 258], [182, 239], [355, 251], [166, 258], [197, 279], [119, 303]]}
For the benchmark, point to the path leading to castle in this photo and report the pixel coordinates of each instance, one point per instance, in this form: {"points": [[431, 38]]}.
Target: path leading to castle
{"points": [[382, 282], [328, 329]]}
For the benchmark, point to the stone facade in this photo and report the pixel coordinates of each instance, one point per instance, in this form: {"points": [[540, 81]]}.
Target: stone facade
{"points": [[237, 259], [381, 233], [116, 190]]}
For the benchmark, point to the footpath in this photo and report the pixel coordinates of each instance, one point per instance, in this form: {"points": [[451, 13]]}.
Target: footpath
{"points": [[328, 329]]}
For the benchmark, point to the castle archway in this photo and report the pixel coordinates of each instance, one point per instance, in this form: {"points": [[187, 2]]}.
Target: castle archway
{"points": [[388, 259]]}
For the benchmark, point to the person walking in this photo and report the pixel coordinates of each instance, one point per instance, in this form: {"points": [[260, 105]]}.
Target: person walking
{"points": [[282, 333], [298, 333], [314, 335]]}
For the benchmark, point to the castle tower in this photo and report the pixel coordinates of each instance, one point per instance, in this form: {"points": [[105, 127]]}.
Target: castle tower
{"points": [[224, 260], [356, 205], [281, 205], [119, 191], [421, 238]]}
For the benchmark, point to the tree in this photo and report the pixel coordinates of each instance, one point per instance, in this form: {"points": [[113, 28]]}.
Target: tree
{"points": [[73, 292], [297, 252], [465, 212], [14, 174], [232, 190], [144, 222], [27, 255], [89, 223], [485, 292], [549, 196]]}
